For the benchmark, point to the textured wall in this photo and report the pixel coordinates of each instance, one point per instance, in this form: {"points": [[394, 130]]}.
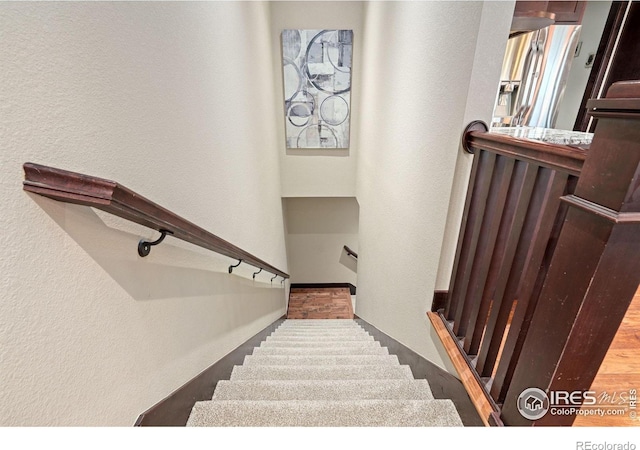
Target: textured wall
{"points": [[174, 100], [417, 80], [317, 230], [483, 89], [309, 172]]}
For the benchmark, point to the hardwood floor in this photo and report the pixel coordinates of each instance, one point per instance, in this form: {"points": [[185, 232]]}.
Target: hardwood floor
{"points": [[320, 303], [619, 372]]}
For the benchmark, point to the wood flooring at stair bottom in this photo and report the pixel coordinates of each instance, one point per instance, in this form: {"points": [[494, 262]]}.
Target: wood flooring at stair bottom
{"points": [[320, 303]]}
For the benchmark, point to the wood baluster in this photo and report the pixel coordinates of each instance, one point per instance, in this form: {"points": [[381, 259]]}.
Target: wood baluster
{"points": [[544, 213], [509, 236], [474, 307], [468, 239]]}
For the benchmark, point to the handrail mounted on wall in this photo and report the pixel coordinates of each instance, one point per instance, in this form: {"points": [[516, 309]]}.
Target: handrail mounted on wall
{"points": [[350, 252], [112, 197]]}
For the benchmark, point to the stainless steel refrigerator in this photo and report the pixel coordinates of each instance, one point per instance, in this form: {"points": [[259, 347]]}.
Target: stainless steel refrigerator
{"points": [[534, 74]]}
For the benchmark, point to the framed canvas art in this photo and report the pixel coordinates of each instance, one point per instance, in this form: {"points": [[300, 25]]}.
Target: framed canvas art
{"points": [[317, 87]]}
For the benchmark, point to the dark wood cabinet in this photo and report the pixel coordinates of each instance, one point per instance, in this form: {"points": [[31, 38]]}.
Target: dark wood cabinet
{"points": [[567, 13], [523, 6]]}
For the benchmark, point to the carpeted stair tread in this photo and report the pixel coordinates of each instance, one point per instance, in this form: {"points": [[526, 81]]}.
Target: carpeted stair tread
{"points": [[356, 337], [323, 390], [320, 322], [328, 373], [320, 332], [308, 360], [331, 326], [316, 344], [315, 329], [351, 350], [320, 336], [344, 372], [309, 413]]}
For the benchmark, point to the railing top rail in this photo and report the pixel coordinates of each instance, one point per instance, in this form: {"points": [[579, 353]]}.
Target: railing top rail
{"points": [[350, 252], [560, 157], [112, 197]]}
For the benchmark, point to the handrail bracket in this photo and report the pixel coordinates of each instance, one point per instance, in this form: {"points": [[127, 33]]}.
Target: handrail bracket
{"points": [[232, 267], [144, 247]]}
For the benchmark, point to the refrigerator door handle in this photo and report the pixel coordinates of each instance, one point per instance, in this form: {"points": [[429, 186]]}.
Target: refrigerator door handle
{"points": [[524, 97], [532, 88]]}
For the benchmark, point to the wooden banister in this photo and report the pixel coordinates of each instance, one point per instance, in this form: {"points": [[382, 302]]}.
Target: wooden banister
{"points": [[112, 197], [593, 273], [547, 258], [559, 157]]}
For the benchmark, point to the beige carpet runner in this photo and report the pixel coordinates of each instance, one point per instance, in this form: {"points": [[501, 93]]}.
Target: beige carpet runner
{"points": [[328, 373]]}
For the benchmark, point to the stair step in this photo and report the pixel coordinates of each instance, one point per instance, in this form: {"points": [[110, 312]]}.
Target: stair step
{"points": [[322, 372], [352, 350], [314, 331], [344, 338], [284, 360], [319, 327], [323, 390], [312, 344], [346, 372], [320, 322], [319, 336], [371, 413]]}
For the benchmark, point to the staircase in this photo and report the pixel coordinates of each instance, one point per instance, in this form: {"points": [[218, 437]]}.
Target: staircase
{"points": [[328, 373]]}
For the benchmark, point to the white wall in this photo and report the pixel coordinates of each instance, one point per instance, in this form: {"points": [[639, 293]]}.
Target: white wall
{"points": [[309, 172], [175, 101], [492, 39], [595, 16], [421, 61], [317, 230]]}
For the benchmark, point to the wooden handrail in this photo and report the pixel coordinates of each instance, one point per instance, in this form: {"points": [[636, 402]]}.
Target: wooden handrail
{"points": [[560, 157], [350, 252], [112, 197]]}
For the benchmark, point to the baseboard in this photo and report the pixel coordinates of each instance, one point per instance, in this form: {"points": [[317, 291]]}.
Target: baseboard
{"points": [[472, 385], [351, 287], [175, 409]]}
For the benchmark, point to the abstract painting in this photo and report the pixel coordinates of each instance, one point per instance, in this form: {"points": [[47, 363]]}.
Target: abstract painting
{"points": [[317, 87]]}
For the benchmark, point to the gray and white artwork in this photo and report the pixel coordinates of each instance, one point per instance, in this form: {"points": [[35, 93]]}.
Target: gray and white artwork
{"points": [[317, 87]]}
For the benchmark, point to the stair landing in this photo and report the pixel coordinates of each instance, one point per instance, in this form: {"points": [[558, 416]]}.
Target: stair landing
{"points": [[320, 303]]}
